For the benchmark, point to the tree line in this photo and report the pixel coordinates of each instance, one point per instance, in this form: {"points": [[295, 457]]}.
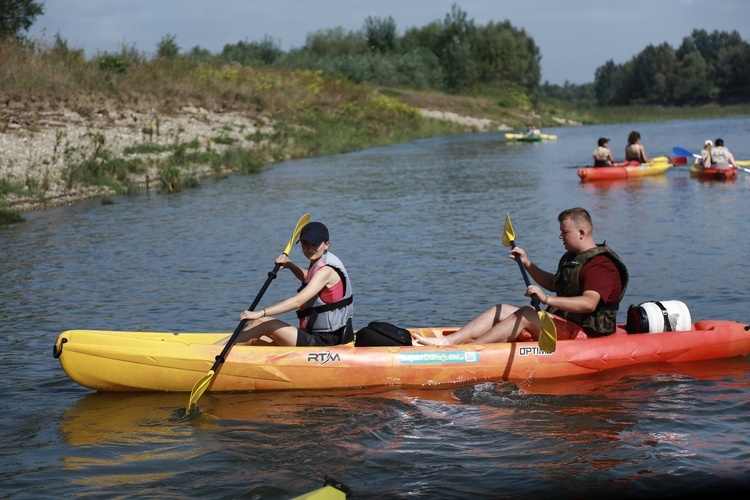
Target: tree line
{"points": [[706, 67], [454, 54]]}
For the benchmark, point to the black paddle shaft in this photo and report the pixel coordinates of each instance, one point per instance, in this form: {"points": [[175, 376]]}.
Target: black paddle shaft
{"points": [[241, 326], [534, 298]]}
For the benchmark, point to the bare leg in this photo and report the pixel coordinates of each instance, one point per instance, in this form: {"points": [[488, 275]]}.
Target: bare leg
{"points": [[473, 329], [279, 332], [511, 327]]}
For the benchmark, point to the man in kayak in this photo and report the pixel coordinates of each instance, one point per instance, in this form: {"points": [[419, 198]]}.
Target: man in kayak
{"points": [[720, 155], [589, 283], [324, 301], [532, 131]]}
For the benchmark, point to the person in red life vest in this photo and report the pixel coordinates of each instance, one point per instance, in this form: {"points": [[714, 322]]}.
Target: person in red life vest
{"points": [[324, 302], [635, 154], [589, 283]]}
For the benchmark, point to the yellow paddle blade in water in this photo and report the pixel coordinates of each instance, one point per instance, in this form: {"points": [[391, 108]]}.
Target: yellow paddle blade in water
{"points": [[198, 389], [508, 234], [660, 159], [548, 335]]}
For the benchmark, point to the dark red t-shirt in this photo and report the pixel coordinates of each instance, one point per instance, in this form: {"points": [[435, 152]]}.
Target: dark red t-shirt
{"points": [[600, 275]]}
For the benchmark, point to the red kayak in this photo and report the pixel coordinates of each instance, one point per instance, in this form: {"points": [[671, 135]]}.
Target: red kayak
{"points": [[714, 174]]}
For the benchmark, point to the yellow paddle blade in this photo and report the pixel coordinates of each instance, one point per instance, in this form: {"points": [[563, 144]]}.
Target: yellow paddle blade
{"points": [[551, 137], [548, 336], [508, 234], [303, 221], [198, 389], [743, 163], [660, 159], [327, 492]]}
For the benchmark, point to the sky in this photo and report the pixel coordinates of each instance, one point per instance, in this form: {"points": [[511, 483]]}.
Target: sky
{"points": [[575, 37]]}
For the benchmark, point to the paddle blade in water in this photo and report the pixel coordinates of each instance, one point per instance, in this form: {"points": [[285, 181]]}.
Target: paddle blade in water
{"points": [[198, 389], [508, 234], [548, 336]]}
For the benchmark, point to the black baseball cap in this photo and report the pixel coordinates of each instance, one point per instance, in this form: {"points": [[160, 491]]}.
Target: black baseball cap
{"points": [[315, 233]]}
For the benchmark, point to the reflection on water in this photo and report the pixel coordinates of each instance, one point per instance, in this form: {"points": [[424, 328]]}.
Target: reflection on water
{"points": [[419, 228]]}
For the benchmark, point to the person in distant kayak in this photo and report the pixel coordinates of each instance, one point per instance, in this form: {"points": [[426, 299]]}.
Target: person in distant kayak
{"points": [[705, 160], [720, 155], [532, 131], [635, 154], [589, 284], [324, 302], [602, 154]]}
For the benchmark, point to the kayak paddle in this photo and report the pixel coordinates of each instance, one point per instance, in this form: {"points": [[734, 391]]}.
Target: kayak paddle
{"points": [[548, 335], [201, 385], [551, 137], [684, 152], [513, 136]]}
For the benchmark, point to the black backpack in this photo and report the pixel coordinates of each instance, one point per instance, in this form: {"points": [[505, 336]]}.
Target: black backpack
{"points": [[380, 333]]}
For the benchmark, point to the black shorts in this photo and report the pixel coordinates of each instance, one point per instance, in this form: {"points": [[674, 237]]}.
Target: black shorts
{"points": [[341, 336]]}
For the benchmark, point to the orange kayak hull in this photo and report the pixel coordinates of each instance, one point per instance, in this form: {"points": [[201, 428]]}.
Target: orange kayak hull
{"points": [[142, 361]]}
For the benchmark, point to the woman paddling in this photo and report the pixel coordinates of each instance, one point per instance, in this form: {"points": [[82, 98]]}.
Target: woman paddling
{"points": [[323, 302]]}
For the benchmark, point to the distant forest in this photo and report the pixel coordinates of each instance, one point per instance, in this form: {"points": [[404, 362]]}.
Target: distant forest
{"points": [[456, 55]]}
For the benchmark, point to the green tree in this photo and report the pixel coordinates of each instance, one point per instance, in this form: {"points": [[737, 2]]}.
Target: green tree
{"points": [[455, 50], [167, 48], [335, 42], [609, 84], [695, 87], [380, 34], [18, 15]]}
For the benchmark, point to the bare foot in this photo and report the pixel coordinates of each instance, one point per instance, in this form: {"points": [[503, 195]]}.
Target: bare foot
{"points": [[429, 340]]}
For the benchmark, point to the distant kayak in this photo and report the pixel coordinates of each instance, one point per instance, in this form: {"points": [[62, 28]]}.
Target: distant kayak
{"points": [[589, 174], [530, 138], [713, 174]]}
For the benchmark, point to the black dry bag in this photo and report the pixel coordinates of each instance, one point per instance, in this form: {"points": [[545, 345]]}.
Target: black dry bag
{"points": [[380, 333]]}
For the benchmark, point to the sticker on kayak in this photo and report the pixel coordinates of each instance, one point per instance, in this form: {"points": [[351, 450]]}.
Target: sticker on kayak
{"points": [[532, 351], [417, 358]]}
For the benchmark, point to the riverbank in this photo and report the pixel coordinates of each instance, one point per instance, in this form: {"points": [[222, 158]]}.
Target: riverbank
{"points": [[59, 157]]}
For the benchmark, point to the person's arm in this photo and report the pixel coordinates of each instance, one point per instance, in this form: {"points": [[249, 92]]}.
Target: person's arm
{"points": [[731, 159], [645, 158], [298, 272], [325, 276], [545, 279], [581, 304]]}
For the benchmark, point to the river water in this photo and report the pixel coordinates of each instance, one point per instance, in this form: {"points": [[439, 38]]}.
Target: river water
{"points": [[419, 228]]}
